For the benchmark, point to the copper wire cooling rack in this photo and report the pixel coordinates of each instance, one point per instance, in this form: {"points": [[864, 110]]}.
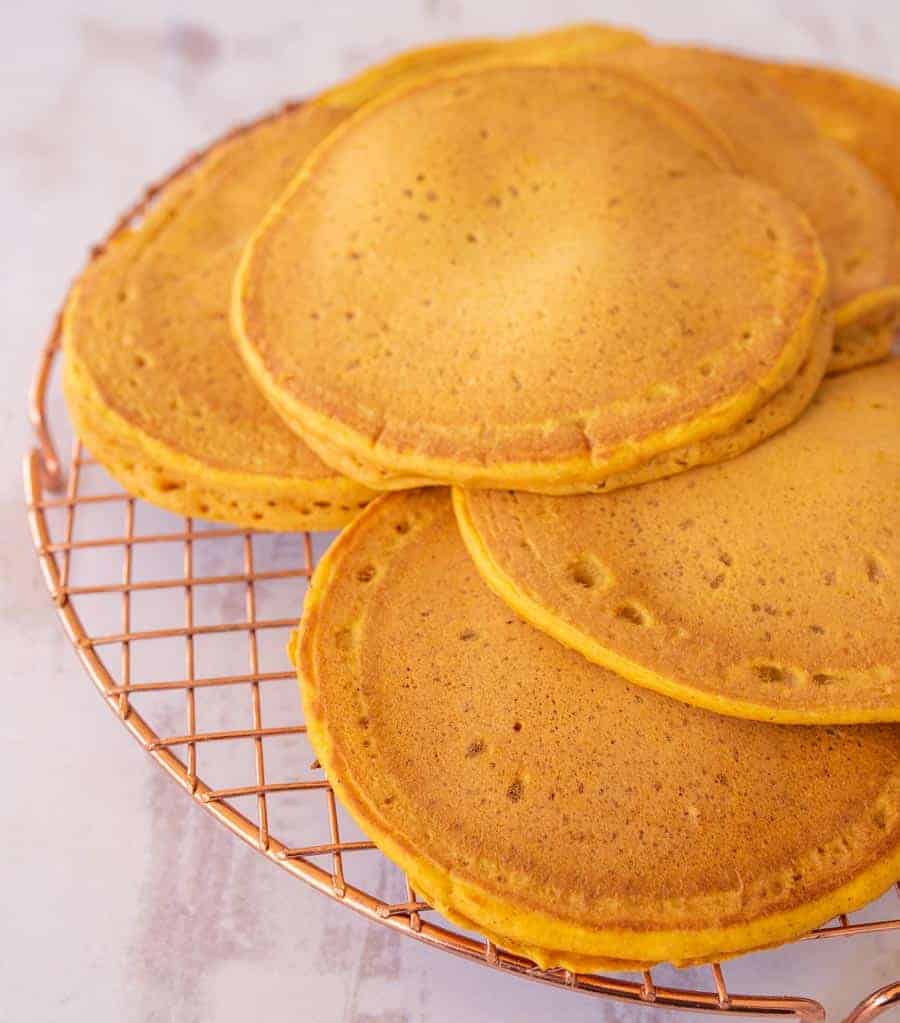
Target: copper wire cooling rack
{"points": [[234, 738]]}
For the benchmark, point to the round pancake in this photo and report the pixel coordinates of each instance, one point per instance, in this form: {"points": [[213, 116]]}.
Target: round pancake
{"points": [[546, 800], [152, 379], [775, 141], [863, 116], [780, 410], [493, 310], [764, 587]]}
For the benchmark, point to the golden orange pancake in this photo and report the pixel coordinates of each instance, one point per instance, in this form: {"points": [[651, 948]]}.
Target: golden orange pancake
{"points": [[763, 587], [543, 799], [453, 290], [153, 381]]}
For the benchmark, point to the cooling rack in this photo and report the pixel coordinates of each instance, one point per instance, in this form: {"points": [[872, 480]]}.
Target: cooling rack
{"points": [[202, 681], [235, 739]]}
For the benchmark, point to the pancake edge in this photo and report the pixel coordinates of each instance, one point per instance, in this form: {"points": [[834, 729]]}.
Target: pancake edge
{"points": [[718, 447], [555, 959], [566, 42], [149, 469], [865, 329]]}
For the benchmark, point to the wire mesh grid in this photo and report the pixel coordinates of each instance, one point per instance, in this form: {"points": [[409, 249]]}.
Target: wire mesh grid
{"points": [[233, 737], [215, 702]]}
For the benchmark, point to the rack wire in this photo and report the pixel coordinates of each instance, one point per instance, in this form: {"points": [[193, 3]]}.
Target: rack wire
{"points": [[235, 741]]}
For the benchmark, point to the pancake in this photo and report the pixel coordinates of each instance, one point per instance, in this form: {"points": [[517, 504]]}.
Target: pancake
{"points": [[862, 116], [153, 382], [775, 141], [549, 802], [763, 587], [522, 331]]}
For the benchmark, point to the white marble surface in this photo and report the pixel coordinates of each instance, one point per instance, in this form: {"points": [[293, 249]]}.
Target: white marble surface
{"points": [[121, 900]]}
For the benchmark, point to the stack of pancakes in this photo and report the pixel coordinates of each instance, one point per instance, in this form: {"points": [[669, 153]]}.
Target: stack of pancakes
{"points": [[625, 694]]}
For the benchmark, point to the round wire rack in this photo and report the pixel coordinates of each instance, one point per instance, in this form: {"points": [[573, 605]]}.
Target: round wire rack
{"points": [[234, 738]]}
